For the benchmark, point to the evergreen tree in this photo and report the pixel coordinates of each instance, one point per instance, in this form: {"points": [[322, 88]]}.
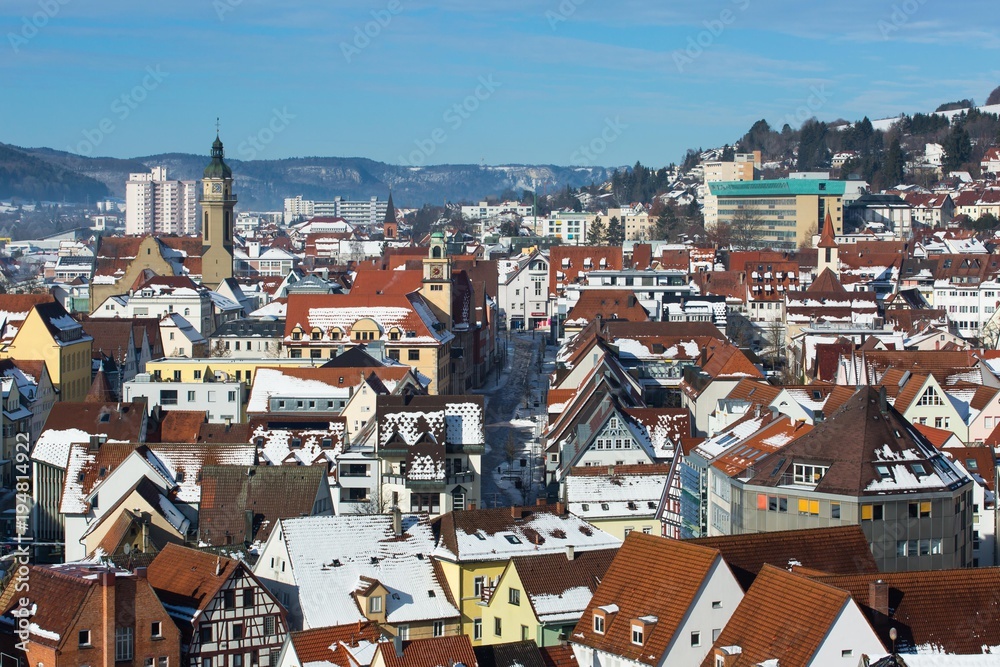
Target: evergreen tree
{"points": [[597, 234], [957, 148], [665, 223], [616, 232], [895, 160]]}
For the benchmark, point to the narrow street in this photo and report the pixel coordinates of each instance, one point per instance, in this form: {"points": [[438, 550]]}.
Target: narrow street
{"points": [[510, 407]]}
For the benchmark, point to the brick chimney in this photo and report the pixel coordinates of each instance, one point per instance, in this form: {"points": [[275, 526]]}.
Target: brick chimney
{"points": [[560, 508], [878, 597], [106, 580], [517, 512]]}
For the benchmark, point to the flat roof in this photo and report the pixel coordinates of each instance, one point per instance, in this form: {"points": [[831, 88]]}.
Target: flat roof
{"points": [[786, 187]]}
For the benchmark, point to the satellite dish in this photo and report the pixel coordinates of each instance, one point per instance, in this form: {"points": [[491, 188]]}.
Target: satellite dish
{"points": [[127, 548]]}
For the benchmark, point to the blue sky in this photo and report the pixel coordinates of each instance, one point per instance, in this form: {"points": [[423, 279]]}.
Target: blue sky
{"points": [[560, 81]]}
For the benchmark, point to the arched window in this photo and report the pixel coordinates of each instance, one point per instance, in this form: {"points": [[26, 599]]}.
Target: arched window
{"points": [[436, 252]]}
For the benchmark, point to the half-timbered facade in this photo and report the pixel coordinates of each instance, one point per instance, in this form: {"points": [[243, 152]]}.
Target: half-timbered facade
{"points": [[226, 616]]}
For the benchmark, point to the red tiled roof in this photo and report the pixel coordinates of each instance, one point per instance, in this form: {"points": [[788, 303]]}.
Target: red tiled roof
{"points": [[188, 577], [607, 305], [432, 652], [376, 281], [673, 573], [953, 611], [764, 629], [833, 550], [328, 644]]}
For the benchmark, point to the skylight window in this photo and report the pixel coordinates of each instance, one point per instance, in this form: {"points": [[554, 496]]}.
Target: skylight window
{"points": [[883, 471], [972, 464], [919, 470], [513, 539]]}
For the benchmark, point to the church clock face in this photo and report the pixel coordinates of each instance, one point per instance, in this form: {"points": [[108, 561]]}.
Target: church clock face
{"points": [[436, 272], [217, 188]]}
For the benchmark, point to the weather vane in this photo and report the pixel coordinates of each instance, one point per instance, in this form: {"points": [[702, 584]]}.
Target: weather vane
{"points": [[216, 124]]}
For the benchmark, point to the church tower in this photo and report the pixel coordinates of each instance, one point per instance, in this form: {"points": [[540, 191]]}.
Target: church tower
{"points": [[390, 226], [828, 250], [437, 279], [217, 203]]}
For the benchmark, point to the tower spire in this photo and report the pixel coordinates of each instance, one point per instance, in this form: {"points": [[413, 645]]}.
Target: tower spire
{"points": [[828, 237]]}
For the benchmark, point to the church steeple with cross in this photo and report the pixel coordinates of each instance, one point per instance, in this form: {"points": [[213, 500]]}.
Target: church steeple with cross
{"points": [[217, 205]]}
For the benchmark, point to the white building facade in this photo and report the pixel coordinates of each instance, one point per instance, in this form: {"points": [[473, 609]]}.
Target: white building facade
{"points": [[156, 205]]}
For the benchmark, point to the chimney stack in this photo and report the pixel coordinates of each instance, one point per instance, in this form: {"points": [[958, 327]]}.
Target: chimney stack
{"points": [[560, 508], [106, 579], [540, 502], [878, 598], [397, 521], [140, 573], [516, 512], [570, 552], [397, 643]]}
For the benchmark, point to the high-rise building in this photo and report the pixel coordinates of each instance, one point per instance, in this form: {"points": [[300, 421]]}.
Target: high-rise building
{"points": [[217, 203], [157, 205], [358, 213]]}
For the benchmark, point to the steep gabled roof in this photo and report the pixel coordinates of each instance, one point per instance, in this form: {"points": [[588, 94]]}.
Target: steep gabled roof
{"points": [[673, 573], [834, 550], [764, 629], [190, 578]]}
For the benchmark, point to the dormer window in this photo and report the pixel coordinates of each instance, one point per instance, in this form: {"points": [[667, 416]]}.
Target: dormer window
{"points": [[638, 634], [809, 474], [599, 623]]}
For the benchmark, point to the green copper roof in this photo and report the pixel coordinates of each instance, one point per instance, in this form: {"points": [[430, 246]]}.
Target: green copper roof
{"points": [[781, 187], [218, 167]]}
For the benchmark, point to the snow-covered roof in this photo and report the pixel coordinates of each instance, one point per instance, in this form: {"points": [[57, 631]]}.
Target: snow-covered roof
{"points": [[330, 554]]}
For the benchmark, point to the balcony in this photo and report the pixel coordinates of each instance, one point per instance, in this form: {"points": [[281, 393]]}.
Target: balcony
{"points": [[460, 478]]}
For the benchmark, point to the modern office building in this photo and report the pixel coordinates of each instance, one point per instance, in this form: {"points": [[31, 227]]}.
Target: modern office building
{"points": [[787, 212]]}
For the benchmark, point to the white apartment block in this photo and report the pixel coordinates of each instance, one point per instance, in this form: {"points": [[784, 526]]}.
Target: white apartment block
{"points": [[485, 210], [224, 401], [970, 307], [359, 213], [156, 205]]}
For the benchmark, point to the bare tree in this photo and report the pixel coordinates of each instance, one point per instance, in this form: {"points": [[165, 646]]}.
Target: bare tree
{"points": [[510, 450], [747, 228], [219, 350], [377, 503]]}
